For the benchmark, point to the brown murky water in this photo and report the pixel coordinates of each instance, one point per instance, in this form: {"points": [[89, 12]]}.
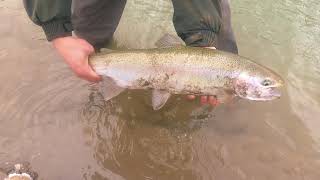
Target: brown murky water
{"points": [[61, 125]]}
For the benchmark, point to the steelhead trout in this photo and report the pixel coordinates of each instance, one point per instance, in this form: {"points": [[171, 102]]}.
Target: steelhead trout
{"points": [[176, 69]]}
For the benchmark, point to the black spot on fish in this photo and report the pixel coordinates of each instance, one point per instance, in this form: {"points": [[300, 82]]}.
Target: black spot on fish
{"points": [[167, 77], [144, 83]]}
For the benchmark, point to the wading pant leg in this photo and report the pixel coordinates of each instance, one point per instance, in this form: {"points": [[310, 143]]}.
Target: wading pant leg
{"points": [[205, 23], [96, 20]]}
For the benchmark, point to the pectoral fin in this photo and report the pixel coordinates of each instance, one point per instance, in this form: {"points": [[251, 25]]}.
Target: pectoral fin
{"points": [[109, 88], [159, 99], [225, 96]]}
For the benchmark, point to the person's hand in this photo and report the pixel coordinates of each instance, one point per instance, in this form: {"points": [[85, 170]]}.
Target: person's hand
{"points": [[212, 100], [75, 52]]}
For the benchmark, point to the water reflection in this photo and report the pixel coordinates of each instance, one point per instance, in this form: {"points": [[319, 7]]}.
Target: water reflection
{"points": [[132, 140], [158, 147]]}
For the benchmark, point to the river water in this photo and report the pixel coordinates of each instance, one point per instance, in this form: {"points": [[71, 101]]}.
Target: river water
{"points": [[61, 125]]}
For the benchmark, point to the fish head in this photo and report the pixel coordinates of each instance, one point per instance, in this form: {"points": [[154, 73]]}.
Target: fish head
{"points": [[259, 85]]}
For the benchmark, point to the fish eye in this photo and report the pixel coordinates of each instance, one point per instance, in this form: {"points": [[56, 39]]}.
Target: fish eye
{"points": [[266, 82]]}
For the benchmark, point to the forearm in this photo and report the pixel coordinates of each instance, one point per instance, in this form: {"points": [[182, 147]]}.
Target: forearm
{"points": [[197, 22], [54, 16]]}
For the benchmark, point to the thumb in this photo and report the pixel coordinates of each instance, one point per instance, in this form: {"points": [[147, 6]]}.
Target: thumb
{"points": [[89, 49], [93, 75], [87, 46]]}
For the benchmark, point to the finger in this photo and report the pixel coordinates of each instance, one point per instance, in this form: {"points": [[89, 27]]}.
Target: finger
{"points": [[84, 71], [191, 97], [92, 75], [204, 99], [213, 101], [93, 78], [86, 74]]}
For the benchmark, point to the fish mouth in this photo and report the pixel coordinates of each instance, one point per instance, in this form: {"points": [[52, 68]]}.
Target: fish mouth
{"points": [[267, 94], [276, 92], [252, 89]]}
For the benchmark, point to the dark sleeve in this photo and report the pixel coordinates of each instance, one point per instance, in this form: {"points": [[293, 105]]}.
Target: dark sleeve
{"points": [[197, 22], [54, 16]]}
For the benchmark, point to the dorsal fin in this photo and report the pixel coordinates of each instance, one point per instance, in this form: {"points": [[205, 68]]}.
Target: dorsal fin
{"points": [[169, 40], [105, 50]]}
